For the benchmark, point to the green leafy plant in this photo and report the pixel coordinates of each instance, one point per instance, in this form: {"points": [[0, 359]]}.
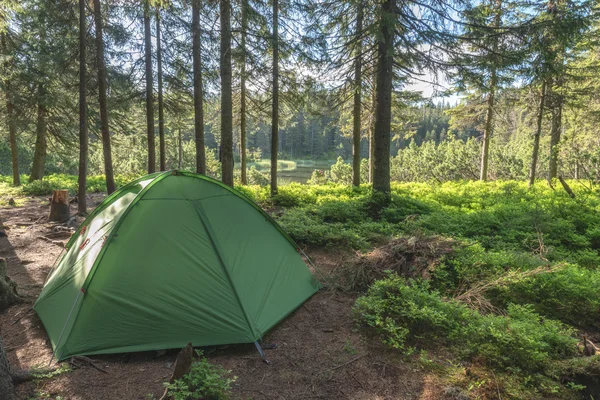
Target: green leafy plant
{"points": [[204, 381]]}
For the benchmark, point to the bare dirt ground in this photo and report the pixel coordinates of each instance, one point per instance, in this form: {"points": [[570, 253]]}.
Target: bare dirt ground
{"points": [[319, 352]]}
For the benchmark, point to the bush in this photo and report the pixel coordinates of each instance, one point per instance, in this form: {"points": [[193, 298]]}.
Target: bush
{"points": [[204, 381], [403, 313], [255, 177], [570, 294]]}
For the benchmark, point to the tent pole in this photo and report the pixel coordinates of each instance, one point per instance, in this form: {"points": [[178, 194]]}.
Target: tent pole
{"points": [[261, 352]]}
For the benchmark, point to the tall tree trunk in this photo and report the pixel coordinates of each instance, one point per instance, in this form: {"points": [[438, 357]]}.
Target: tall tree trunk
{"points": [[83, 133], [161, 115], [243, 95], [149, 90], [489, 117], [555, 134], [12, 129], [180, 151], [10, 108], [108, 168], [198, 96], [383, 110], [275, 105], [226, 95], [357, 98], [39, 154], [536, 137], [372, 123], [487, 132]]}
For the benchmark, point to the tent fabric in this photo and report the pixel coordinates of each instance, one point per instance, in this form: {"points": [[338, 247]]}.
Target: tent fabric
{"points": [[170, 258]]}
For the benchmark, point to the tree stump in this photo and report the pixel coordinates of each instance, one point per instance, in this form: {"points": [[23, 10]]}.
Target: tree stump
{"points": [[59, 206], [8, 289]]}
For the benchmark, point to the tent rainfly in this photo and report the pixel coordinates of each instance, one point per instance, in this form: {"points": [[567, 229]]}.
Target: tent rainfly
{"points": [[170, 258]]}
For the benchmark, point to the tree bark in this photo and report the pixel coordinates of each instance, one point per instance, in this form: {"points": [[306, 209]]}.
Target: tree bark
{"points": [[83, 133], [275, 105], [536, 137], [10, 107], [8, 289], [357, 98], [226, 95], [39, 154], [487, 133], [149, 90], [555, 134], [161, 115], [108, 167], [198, 96], [372, 122], [243, 95], [7, 389], [383, 109], [179, 144]]}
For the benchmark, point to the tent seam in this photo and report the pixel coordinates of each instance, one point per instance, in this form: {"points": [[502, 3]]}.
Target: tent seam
{"points": [[245, 198], [200, 211], [88, 279]]}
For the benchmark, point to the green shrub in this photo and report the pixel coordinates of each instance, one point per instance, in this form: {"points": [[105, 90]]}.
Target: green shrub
{"points": [[341, 172], [570, 294], [255, 177], [409, 313], [204, 381]]}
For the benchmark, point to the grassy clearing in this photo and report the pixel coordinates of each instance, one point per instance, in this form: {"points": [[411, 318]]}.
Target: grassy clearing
{"points": [[503, 278]]}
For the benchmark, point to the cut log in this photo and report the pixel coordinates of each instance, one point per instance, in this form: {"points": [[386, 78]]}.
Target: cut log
{"points": [[59, 206]]}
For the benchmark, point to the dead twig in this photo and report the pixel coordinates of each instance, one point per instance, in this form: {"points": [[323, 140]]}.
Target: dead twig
{"points": [[56, 242], [85, 360], [341, 365], [22, 316]]}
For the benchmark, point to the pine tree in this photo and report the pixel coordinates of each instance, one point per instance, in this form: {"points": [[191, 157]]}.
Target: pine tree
{"points": [[161, 113], [226, 95], [102, 100], [275, 101], [83, 132], [149, 89], [198, 90]]}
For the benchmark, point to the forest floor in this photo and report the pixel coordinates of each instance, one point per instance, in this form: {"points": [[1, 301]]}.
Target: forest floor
{"points": [[319, 352]]}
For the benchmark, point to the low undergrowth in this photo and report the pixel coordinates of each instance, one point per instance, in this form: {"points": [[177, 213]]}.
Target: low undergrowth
{"points": [[204, 381], [503, 277]]}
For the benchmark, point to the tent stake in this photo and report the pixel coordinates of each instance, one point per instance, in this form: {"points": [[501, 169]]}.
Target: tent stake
{"points": [[262, 353]]}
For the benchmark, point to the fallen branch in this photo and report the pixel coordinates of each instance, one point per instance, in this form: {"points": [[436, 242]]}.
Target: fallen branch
{"points": [[22, 316], [85, 360], [56, 242], [341, 365]]}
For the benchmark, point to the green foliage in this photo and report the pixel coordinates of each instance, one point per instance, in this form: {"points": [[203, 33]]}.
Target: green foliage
{"points": [[204, 381], [255, 177], [570, 294], [407, 313], [45, 186]]}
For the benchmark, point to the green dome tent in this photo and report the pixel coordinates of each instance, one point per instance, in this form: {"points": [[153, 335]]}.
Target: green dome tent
{"points": [[170, 258]]}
